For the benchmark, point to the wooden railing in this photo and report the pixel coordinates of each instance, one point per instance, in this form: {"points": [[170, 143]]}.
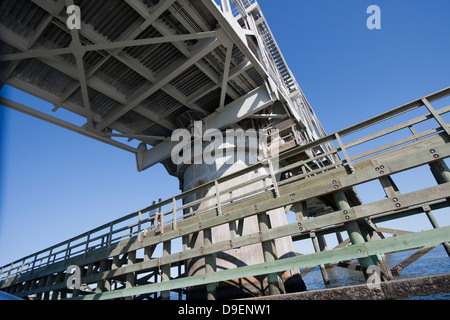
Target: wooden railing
{"points": [[177, 216]]}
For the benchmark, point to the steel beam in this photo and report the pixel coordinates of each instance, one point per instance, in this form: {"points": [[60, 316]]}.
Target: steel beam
{"points": [[234, 34], [61, 123], [251, 103]]}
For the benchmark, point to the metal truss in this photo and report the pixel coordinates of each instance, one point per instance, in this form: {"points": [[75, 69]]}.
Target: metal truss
{"points": [[133, 74]]}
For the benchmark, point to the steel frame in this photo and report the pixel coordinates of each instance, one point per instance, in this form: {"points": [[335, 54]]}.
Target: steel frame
{"points": [[230, 34]]}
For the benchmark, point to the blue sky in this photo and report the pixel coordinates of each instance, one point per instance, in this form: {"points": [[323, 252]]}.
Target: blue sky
{"points": [[57, 184]]}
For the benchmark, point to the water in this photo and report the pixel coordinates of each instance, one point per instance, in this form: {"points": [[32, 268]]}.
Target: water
{"points": [[434, 262]]}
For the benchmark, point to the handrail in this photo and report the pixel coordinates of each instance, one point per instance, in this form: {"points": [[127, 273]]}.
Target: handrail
{"points": [[90, 240]]}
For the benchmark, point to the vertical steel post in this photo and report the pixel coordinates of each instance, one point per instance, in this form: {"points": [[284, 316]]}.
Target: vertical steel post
{"points": [[274, 178], [219, 203], [165, 270], [130, 277], [55, 295], [87, 244], [435, 225], [42, 282], [48, 283], [352, 227], [323, 270], [174, 214], [441, 173], [103, 285], [210, 265], [139, 235], [344, 151], [275, 281]]}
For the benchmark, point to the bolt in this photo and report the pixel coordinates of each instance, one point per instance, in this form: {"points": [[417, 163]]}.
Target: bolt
{"points": [[381, 172], [436, 156], [345, 211], [395, 200], [260, 239], [299, 224], [359, 250], [432, 151], [347, 217], [301, 229], [381, 167], [334, 181], [336, 187], [398, 205], [377, 169]]}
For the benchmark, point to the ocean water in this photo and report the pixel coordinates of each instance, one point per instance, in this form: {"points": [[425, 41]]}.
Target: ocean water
{"points": [[434, 262]]}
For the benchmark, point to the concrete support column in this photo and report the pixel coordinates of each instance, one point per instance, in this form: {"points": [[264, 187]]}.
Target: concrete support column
{"points": [[194, 175]]}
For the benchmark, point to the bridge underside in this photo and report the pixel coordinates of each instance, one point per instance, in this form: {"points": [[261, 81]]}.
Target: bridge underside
{"points": [[137, 70], [143, 255]]}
